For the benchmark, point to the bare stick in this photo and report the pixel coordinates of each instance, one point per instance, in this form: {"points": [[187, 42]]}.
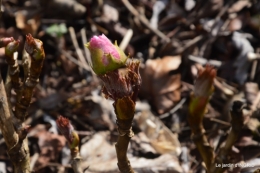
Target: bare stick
{"points": [[78, 50], [8, 85], [87, 53], [84, 41], [143, 19], [12, 129], [126, 39], [6, 125], [16, 142], [237, 125], [75, 61]]}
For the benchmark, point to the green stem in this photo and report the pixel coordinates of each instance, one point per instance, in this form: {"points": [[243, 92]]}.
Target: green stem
{"points": [[237, 125], [123, 140], [195, 118], [76, 160]]}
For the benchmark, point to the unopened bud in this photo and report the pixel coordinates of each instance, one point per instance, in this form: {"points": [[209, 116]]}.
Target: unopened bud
{"points": [[68, 131], [34, 47], [105, 56], [11, 48]]}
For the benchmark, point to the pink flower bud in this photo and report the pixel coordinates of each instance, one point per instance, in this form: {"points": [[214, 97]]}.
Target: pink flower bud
{"points": [[104, 55]]}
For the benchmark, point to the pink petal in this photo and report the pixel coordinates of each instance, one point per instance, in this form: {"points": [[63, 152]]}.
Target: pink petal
{"points": [[103, 43]]}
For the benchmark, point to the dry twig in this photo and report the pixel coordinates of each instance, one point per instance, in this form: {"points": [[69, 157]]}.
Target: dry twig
{"points": [[143, 19], [237, 125], [12, 123], [78, 50]]}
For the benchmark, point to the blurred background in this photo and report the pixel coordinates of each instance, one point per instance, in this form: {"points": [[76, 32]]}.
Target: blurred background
{"points": [[172, 39]]}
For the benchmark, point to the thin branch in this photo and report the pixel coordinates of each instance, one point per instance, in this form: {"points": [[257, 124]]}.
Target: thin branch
{"points": [[237, 125], [6, 124], [87, 53], [84, 41], [144, 20], [75, 61], [16, 142], [8, 84], [78, 50], [174, 109], [126, 39]]}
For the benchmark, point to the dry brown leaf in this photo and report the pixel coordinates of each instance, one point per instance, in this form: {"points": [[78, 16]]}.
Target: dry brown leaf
{"points": [[162, 82], [50, 145], [99, 153], [95, 111], [27, 25], [161, 138]]}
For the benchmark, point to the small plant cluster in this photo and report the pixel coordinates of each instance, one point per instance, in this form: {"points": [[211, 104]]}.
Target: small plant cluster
{"points": [[121, 83], [203, 89], [12, 124]]}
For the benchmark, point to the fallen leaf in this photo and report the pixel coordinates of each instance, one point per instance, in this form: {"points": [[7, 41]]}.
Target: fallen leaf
{"points": [[50, 145], [161, 138], [161, 82]]}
